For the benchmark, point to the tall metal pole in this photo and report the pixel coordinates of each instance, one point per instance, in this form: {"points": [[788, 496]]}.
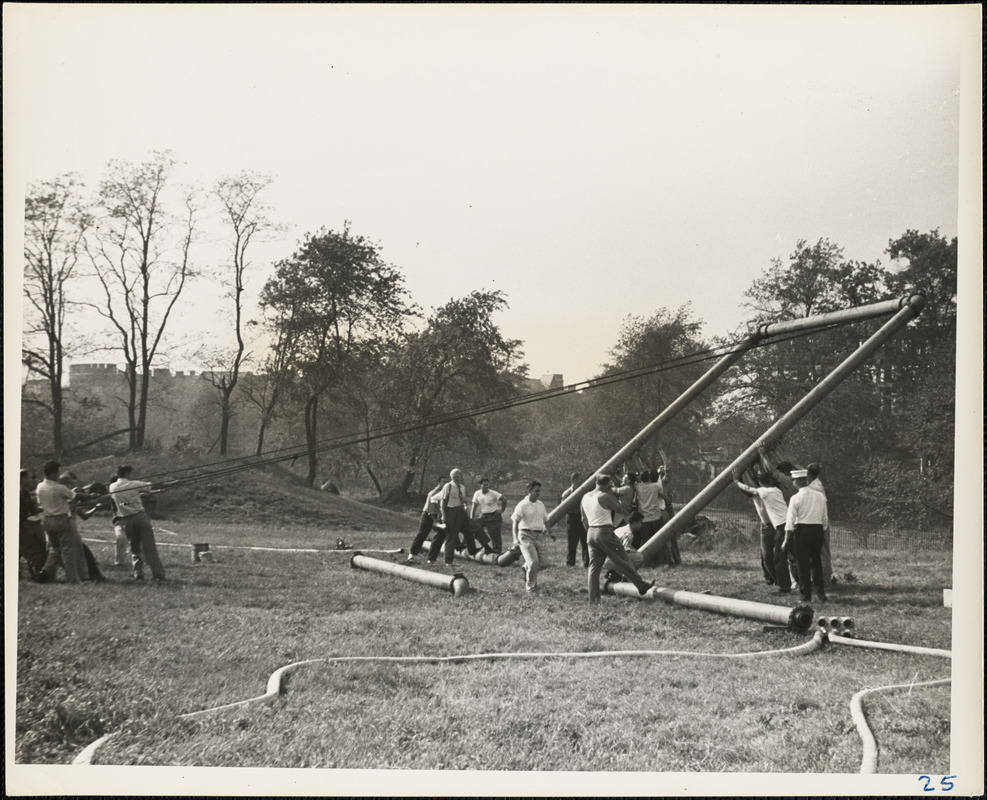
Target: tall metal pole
{"points": [[763, 332], [652, 427], [910, 307]]}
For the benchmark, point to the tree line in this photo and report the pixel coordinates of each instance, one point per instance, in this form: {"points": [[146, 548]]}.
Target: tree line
{"points": [[336, 345]]}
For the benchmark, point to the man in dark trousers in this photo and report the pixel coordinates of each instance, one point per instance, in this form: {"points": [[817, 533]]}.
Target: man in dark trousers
{"points": [[33, 545]]}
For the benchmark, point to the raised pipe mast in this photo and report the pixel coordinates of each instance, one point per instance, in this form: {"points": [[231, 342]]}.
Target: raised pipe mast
{"points": [[909, 308], [764, 333]]}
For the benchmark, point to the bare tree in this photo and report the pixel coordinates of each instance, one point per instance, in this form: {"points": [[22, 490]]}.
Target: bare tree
{"points": [[243, 210], [54, 226], [141, 260]]}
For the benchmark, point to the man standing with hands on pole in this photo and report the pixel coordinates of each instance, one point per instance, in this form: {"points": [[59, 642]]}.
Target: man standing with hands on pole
{"points": [[598, 508]]}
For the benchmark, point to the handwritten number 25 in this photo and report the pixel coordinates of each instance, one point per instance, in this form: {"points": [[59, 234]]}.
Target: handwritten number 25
{"points": [[945, 782]]}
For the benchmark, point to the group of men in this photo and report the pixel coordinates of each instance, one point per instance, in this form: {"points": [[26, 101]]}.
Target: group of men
{"points": [[56, 543], [480, 529], [458, 523], [643, 493], [793, 508]]}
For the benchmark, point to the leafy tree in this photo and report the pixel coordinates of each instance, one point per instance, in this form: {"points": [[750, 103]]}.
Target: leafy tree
{"points": [[911, 483], [336, 303], [141, 259], [461, 360], [55, 224], [623, 409], [770, 380]]}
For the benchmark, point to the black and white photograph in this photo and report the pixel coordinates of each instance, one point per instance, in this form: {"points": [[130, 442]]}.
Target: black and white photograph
{"points": [[481, 400]]}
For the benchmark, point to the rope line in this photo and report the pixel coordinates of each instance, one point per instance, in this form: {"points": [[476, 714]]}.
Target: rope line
{"points": [[347, 440]]}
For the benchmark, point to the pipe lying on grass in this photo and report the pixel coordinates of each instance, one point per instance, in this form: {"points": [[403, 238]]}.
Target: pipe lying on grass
{"points": [[836, 623], [480, 557], [457, 584], [275, 683], [836, 638], [796, 619], [868, 764]]}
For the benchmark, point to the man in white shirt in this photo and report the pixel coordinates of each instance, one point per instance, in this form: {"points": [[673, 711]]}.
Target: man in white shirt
{"points": [[807, 517], [529, 524], [453, 510], [65, 544], [815, 484], [597, 509], [487, 512], [774, 511], [126, 494]]}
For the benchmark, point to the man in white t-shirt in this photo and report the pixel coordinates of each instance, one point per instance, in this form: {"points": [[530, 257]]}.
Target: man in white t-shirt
{"points": [[65, 544], [529, 524], [126, 494], [487, 512], [775, 510]]}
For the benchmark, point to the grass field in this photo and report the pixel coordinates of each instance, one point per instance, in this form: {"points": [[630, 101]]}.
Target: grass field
{"points": [[129, 658]]}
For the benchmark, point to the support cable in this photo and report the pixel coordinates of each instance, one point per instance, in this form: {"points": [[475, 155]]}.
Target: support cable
{"points": [[348, 440]]}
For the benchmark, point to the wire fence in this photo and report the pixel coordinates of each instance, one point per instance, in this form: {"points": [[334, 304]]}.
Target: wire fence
{"points": [[855, 535], [734, 517]]}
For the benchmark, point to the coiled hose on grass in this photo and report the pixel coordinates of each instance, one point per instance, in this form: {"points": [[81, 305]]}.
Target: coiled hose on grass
{"points": [[275, 683]]}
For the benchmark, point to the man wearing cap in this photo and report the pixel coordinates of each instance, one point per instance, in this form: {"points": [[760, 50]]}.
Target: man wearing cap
{"points": [[126, 494], [597, 509], [807, 518], [65, 544]]}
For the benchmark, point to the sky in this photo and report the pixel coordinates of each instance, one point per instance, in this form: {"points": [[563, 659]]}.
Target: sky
{"points": [[591, 162]]}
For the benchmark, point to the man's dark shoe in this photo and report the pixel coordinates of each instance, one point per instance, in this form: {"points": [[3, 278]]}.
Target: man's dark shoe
{"points": [[643, 589], [784, 591]]}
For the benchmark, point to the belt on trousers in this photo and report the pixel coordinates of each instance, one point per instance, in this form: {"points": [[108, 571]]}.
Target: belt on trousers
{"points": [[55, 516], [531, 530]]}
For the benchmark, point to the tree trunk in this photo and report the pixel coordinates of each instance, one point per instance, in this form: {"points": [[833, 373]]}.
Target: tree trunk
{"points": [[132, 408], [145, 387], [373, 477], [260, 434], [224, 420], [311, 437]]}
